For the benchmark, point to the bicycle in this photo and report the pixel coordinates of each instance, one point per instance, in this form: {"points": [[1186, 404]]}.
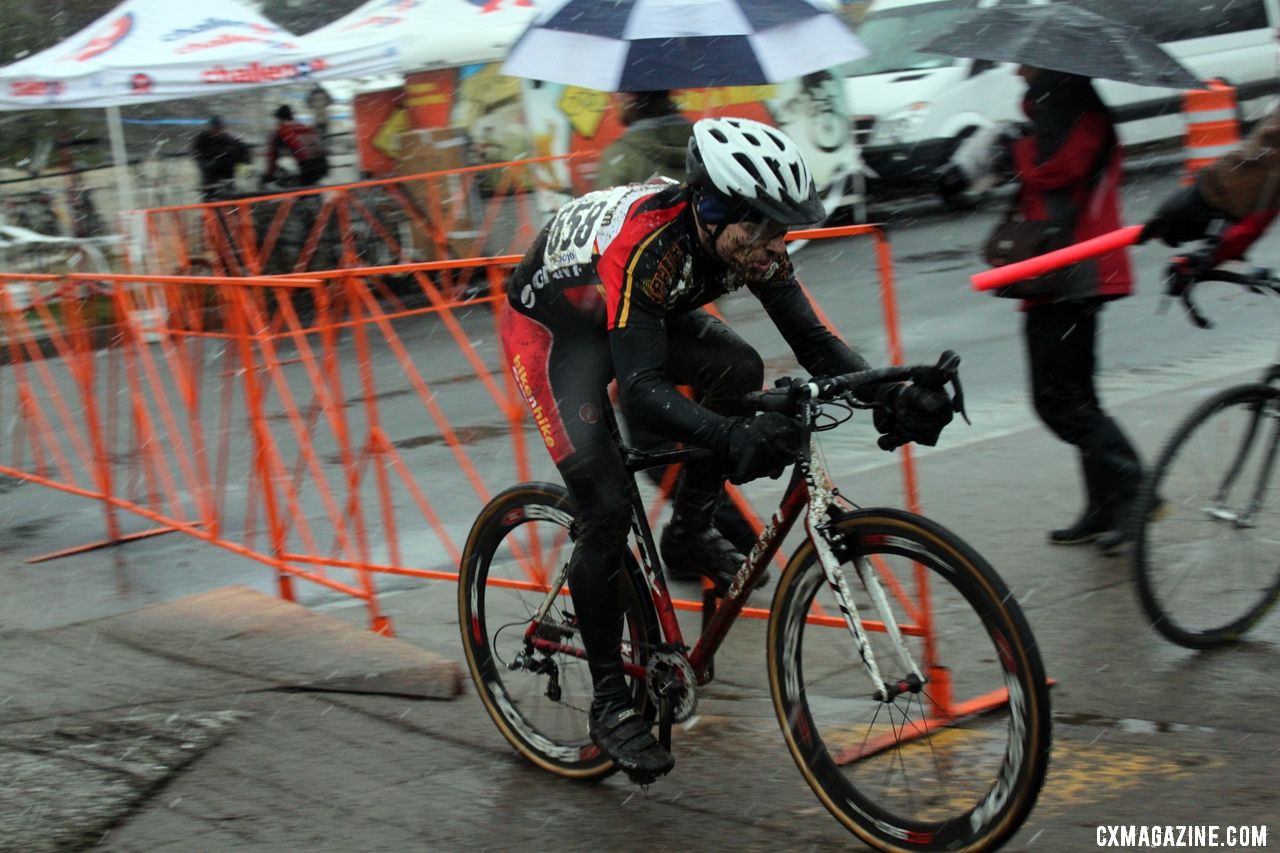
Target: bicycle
{"points": [[1203, 528], [868, 712]]}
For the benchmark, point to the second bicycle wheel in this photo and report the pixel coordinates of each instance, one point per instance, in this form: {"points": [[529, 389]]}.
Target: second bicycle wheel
{"points": [[954, 765], [532, 673], [1205, 557]]}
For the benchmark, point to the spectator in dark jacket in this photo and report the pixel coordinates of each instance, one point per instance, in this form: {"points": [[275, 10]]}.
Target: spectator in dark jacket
{"points": [[217, 153], [1068, 168], [655, 142], [301, 142]]}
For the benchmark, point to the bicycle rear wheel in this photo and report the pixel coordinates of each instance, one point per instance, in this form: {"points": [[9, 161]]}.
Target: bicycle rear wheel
{"points": [[1207, 570], [955, 765], [531, 674]]}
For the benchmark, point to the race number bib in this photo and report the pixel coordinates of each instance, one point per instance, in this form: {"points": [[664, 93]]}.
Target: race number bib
{"points": [[584, 227]]}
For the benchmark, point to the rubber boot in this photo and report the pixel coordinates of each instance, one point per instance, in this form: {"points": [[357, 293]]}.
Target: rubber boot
{"points": [[1096, 519], [1124, 477]]}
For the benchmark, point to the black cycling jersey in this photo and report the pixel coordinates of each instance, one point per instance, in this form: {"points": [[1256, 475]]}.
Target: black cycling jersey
{"points": [[622, 262]]}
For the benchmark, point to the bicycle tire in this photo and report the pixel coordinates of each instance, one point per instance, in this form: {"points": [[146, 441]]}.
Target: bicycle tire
{"points": [[976, 790], [1197, 570], [550, 733]]}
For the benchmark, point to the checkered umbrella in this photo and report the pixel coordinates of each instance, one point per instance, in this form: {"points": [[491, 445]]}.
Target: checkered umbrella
{"points": [[644, 45]]}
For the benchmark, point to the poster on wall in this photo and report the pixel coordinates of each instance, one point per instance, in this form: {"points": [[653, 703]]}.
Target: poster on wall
{"points": [[506, 118], [811, 110]]}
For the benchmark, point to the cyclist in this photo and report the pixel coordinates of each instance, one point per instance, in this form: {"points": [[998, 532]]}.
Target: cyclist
{"points": [[612, 288], [300, 141], [1242, 186]]}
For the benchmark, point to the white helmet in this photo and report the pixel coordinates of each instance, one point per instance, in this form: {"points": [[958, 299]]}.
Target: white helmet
{"points": [[753, 166]]}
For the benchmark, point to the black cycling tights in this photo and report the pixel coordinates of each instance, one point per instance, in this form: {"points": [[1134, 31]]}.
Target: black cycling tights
{"points": [[704, 353]]}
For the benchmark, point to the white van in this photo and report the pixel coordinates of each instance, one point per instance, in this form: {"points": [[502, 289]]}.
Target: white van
{"points": [[911, 110], [1235, 40]]}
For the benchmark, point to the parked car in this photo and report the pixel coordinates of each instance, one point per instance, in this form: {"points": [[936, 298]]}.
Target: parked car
{"points": [[912, 110]]}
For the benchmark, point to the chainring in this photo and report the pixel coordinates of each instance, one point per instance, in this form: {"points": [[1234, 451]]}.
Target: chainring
{"points": [[669, 676]]}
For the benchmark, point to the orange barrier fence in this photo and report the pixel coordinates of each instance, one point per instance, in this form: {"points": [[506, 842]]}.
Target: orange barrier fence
{"points": [[1213, 125], [456, 213], [323, 425]]}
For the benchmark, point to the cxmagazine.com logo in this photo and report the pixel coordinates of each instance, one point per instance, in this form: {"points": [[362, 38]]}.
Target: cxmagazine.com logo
{"points": [[1194, 836]]}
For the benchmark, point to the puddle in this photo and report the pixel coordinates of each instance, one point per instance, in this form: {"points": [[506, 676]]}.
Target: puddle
{"points": [[18, 535], [8, 484], [466, 436], [1127, 725], [937, 255]]}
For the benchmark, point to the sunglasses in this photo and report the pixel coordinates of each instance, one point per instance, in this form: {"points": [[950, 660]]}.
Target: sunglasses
{"points": [[765, 230], [715, 211]]}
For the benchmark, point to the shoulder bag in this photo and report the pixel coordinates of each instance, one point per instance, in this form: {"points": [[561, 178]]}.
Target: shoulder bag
{"points": [[1016, 238]]}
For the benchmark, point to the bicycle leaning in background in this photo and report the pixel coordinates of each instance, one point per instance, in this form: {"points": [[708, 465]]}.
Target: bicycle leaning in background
{"points": [[1205, 554], [864, 676]]}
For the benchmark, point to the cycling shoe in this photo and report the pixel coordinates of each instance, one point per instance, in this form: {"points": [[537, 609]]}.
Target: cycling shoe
{"points": [[693, 553], [626, 737]]}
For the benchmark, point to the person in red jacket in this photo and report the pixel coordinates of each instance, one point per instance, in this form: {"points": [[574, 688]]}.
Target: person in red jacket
{"points": [[1068, 171], [301, 142]]}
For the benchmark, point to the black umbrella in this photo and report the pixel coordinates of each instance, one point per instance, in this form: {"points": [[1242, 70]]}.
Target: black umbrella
{"points": [[1063, 38]]}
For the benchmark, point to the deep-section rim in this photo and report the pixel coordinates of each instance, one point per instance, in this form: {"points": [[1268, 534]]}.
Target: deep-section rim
{"points": [[1039, 732]]}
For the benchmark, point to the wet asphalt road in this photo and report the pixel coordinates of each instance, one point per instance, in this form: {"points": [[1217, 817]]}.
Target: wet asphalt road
{"points": [[1146, 732]]}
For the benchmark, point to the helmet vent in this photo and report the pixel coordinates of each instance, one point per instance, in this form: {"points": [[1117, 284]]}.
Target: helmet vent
{"points": [[745, 162], [777, 170]]}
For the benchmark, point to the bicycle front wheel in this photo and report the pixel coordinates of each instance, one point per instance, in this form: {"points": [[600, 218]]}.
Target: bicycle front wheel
{"points": [[525, 656], [1205, 558], [953, 763]]}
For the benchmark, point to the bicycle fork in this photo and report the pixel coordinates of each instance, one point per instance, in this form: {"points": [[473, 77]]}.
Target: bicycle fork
{"points": [[1218, 508], [821, 534]]}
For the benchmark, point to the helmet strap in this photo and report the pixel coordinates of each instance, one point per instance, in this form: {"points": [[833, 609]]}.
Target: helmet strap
{"points": [[704, 203]]}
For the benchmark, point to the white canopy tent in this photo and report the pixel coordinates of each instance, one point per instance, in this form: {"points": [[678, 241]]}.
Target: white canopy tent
{"points": [[435, 33], [156, 50]]}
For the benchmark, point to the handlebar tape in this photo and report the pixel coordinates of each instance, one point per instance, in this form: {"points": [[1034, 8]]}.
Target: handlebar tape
{"points": [[1041, 264]]}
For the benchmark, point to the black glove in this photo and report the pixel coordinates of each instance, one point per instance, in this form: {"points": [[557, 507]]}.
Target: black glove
{"points": [[1002, 162], [1184, 271], [765, 445], [1183, 216], [911, 413]]}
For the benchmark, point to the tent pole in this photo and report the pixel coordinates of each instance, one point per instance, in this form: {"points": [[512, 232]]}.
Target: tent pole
{"points": [[128, 221], [120, 157]]}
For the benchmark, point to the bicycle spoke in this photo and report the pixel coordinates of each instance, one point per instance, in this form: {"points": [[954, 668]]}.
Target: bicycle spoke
{"points": [[1206, 568], [907, 768], [521, 637]]}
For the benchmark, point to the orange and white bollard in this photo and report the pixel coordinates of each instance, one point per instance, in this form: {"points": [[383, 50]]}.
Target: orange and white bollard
{"points": [[1213, 125]]}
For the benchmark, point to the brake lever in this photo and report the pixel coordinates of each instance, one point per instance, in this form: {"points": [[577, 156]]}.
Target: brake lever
{"points": [[945, 372], [957, 399]]}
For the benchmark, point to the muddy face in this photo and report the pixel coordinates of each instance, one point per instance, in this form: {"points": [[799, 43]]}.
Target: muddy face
{"points": [[753, 250]]}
